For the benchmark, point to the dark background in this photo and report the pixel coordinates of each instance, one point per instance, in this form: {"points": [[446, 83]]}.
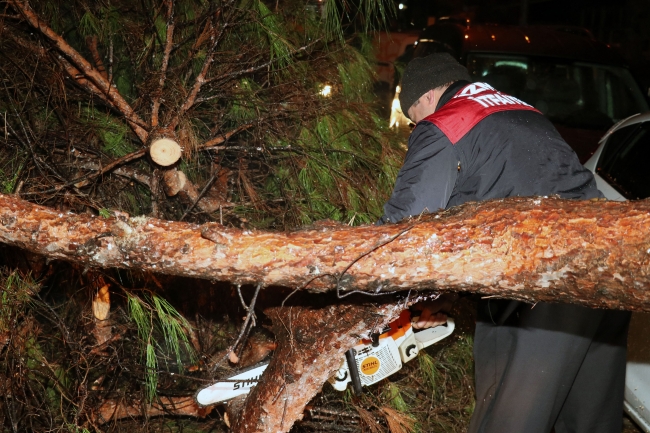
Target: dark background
{"points": [[623, 24]]}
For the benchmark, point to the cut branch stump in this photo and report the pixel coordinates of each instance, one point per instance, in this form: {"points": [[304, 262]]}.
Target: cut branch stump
{"points": [[175, 182], [165, 152], [102, 303]]}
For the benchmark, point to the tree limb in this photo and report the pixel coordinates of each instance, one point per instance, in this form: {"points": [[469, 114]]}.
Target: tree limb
{"points": [[91, 42], [82, 181], [223, 137], [112, 410], [169, 44], [310, 348], [595, 253], [106, 90], [200, 79]]}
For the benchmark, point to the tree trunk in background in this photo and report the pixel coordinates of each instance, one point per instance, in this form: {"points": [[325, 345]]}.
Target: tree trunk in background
{"points": [[595, 253]]}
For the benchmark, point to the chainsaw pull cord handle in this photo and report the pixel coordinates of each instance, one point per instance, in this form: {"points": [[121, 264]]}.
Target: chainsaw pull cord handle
{"points": [[354, 371]]}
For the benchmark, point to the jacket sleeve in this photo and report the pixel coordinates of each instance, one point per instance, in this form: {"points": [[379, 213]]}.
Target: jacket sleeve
{"points": [[427, 178]]}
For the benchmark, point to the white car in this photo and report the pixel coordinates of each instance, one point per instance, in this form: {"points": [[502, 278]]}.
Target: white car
{"points": [[620, 165]]}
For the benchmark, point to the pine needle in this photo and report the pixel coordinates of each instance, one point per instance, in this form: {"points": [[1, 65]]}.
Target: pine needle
{"points": [[16, 291], [393, 396], [427, 369], [399, 422], [157, 312], [369, 420], [280, 47]]}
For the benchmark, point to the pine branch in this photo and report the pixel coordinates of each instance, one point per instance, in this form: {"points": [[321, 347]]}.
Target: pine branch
{"points": [[222, 138], [169, 44], [91, 42], [73, 72], [85, 180], [80, 182], [100, 86], [198, 82], [264, 65], [127, 172]]}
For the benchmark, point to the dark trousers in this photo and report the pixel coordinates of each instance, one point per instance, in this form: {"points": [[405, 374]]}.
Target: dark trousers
{"points": [[548, 365]]}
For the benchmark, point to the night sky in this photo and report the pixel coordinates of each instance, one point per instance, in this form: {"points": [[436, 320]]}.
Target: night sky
{"points": [[573, 12], [624, 24]]}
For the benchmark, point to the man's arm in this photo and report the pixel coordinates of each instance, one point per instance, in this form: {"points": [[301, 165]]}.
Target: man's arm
{"points": [[425, 183], [427, 178]]}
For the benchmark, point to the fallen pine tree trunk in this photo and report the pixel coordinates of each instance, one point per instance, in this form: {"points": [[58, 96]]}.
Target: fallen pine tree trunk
{"points": [[595, 253]]}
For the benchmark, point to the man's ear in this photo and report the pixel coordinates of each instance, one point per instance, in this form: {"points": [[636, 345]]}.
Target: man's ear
{"points": [[431, 97]]}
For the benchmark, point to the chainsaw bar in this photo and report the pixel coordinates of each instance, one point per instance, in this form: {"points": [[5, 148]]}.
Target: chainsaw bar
{"points": [[370, 361], [232, 387]]}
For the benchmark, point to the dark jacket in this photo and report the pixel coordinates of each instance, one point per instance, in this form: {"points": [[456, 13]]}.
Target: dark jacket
{"points": [[493, 146]]}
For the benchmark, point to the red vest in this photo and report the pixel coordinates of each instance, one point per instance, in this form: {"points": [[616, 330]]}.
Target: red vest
{"points": [[469, 106]]}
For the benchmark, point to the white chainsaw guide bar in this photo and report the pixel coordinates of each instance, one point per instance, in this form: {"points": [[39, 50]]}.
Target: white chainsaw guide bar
{"points": [[374, 362]]}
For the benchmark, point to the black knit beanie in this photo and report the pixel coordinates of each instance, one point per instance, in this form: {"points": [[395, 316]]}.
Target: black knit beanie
{"points": [[425, 73]]}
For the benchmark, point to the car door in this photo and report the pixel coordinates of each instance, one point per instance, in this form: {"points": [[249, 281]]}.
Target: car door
{"points": [[622, 172]]}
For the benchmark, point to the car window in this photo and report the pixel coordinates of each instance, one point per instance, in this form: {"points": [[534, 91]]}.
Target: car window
{"points": [[624, 161], [572, 94]]}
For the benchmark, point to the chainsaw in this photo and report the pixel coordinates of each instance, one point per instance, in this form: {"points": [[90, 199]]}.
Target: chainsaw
{"points": [[371, 360]]}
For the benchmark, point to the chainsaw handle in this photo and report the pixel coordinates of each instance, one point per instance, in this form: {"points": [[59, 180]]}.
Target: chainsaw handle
{"points": [[354, 371], [429, 336]]}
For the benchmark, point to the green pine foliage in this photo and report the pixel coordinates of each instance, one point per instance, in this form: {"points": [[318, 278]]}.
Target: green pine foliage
{"points": [[270, 28], [15, 294], [447, 378], [296, 79], [113, 133], [163, 333], [393, 396], [9, 173]]}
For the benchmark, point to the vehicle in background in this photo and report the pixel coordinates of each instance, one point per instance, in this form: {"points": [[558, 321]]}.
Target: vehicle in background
{"points": [[575, 81], [620, 166]]}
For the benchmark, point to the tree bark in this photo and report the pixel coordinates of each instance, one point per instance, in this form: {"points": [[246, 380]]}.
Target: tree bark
{"points": [[112, 410], [311, 347], [175, 182], [595, 253]]}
